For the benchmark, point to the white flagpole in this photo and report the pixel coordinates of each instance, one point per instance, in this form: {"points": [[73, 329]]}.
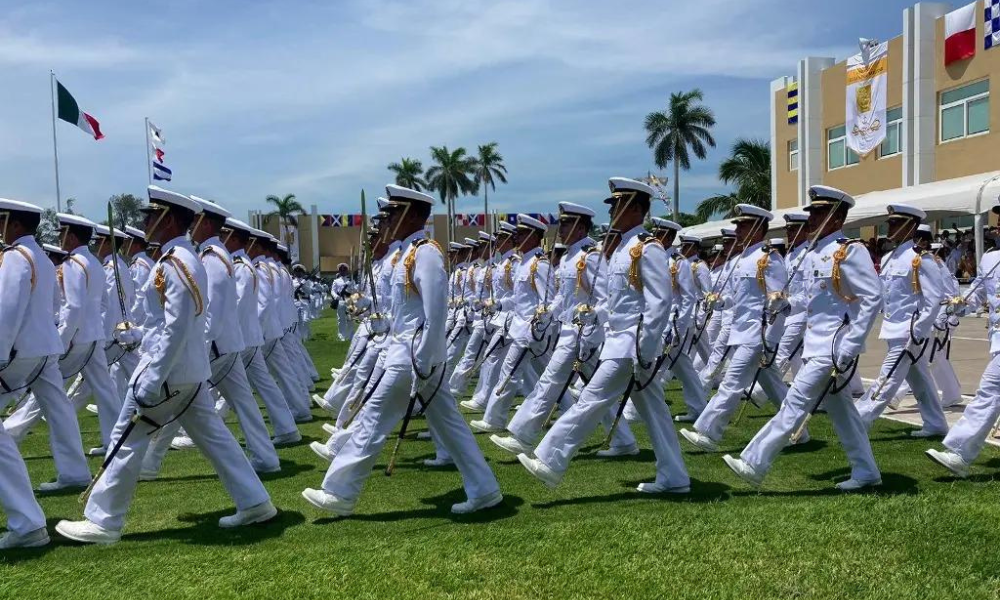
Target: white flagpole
{"points": [[55, 147], [149, 157]]}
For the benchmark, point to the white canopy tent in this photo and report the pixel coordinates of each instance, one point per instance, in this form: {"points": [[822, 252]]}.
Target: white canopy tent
{"points": [[940, 200]]}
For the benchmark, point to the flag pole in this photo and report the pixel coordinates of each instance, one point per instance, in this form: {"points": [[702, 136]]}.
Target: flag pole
{"points": [[55, 146], [149, 157]]}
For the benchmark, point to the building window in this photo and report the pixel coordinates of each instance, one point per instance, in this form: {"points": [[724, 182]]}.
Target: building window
{"points": [[965, 111], [892, 144], [793, 155], [838, 155]]}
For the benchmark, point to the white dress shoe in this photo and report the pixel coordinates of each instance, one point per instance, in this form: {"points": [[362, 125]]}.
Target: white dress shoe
{"points": [[439, 462], [87, 532], [322, 451], [287, 438], [924, 433], [484, 427], [470, 405], [148, 475], [303, 419], [423, 435], [512, 444], [744, 471], [329, 428], [540, 470], [264, 469], [481, 503], [262, 513], [619, 451], [55, 486], [852, 484], [97, 451], [686, 418], [32, 539], [182, 443], [950, 461], [324, 500], [322, 403], [662, 488], [758, 397], [702, 442], [92, 408]]}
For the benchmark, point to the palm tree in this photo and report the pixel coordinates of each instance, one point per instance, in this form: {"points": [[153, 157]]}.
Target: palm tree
{"points": [[451, 176], [489, 169], [409, 173], [285, 208], [684, 125], [749, 169]]}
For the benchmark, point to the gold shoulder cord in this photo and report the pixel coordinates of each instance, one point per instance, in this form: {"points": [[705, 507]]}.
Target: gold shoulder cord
{"points": [[915, 272], [59, 278], [187, 280], [253, 272], [675, 269], [838, 257], [762, 264], [471, 283], [79, 262], [508, 279], [410, 263], [581, 269], [635, 269], [211, 250], [534, 271], [27, 257], [160, 283], [395, 257], [267, 271]]}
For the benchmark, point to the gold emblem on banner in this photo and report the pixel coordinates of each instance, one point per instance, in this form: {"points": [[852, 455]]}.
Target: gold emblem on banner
{"points": [[863, 98]]}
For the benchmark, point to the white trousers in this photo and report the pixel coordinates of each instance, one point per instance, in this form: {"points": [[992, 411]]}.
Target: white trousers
{"points": [[345, 326], [969, 434], [802, 396], [48, 399], [945, 378], [474, 350], [743, 365], [604, 391], [917, 375], [789, 357], [518, 362], [260, 378], [341, 387], [683, 369], [489, 373], [362, 389], [113, 494], [711, 373], [353, 464], [290, 342], [295, 393]]}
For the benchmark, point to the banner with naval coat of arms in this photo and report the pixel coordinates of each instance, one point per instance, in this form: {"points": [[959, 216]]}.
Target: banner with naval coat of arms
{"points": [[867, 88]]}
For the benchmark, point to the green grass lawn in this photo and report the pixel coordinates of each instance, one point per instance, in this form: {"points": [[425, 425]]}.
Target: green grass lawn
{"points": [[924, 535]]}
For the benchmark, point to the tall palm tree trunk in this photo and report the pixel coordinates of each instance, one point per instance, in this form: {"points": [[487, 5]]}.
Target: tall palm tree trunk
{"points": [[676, 202], [486, 210]]}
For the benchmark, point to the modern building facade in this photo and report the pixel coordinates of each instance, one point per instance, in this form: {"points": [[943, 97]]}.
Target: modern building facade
{"points": [[941, 123]]}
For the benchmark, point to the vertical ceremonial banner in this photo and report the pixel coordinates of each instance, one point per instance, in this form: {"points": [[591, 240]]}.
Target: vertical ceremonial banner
{"points": [[960, 34], [289, 234], [991, 31], [866, 91], [792, 91]]}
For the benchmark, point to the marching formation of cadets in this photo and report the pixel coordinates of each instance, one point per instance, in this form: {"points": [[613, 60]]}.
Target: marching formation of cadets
{"points": [[170, 328]]}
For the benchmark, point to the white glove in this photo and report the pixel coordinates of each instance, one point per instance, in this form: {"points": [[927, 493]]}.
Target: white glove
{"points": [[378, 324], [842, 361], [585, 315], [127, 336]]}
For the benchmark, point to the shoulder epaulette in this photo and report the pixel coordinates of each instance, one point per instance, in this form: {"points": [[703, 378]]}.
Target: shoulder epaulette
{"points": [[27, 257], [425, 241], [839, 255], [160, 282], [79, 262], [581, 269], [212, 251]]}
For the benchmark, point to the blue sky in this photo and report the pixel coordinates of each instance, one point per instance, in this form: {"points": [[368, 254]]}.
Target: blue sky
{"points": [[317, 97]]}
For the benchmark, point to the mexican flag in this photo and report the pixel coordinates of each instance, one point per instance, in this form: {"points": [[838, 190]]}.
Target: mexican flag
{"points": [[70, 112]]}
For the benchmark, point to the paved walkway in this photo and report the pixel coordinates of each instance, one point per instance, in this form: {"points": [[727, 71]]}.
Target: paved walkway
{"points": [[969, 357]]}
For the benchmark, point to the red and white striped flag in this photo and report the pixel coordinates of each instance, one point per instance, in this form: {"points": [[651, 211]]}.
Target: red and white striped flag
{"points": [[960, 34]]}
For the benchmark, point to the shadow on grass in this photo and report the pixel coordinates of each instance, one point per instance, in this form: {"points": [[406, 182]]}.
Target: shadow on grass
{"points": [[204, 530], [289, 469], [813, 445], [701, 492], [893, 484], [439, 507]]}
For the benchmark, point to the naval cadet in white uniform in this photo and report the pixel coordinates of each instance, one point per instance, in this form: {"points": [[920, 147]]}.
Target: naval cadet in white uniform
{"points": [[29, 351], [170, 383], [414, 374], [844, 297], [638, 297]]}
